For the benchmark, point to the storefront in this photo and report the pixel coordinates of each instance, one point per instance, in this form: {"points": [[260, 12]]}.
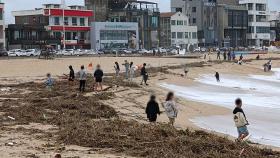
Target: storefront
{"points": [[114, 35]]}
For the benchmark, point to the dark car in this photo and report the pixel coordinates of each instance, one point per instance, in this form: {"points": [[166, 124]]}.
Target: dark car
{"points": [[3, 53]]}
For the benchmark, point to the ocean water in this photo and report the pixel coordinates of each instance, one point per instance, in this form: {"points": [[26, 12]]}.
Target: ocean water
{"points": [[261, 103]]}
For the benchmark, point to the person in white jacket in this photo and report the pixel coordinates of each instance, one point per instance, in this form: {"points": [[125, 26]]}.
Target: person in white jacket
{"points": [[240, 120], [171, 108]]}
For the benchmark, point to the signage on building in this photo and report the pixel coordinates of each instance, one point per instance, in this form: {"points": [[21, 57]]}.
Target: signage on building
{"points": [[210, 4], [117, 26]]}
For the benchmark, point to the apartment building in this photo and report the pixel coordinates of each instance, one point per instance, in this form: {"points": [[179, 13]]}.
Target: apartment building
{"points": [[51, 25], [212, 20], [258, 33], [145, 13], [178, 32], [2, 27]]}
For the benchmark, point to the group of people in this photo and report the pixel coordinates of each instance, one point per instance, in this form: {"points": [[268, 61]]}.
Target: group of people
{"points": [[171, 110], [98, 74]]}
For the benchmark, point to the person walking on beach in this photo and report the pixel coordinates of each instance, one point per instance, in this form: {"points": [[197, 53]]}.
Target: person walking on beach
{"points": [[144, 75], [219, 55], [225, 55], [49, 82], [71, 73], [170, 108], [217, 76], [131, 71], [82, 78], [152, 109], [126, 66], [240, 120], [117, 69], [186, 71], [241, 57], [269, 65], [229, 55], [98, 76]]}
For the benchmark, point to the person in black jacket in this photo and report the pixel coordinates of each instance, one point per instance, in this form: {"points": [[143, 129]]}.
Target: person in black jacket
{"points": [[98, 75], [71, 74], [144, 75], [152, 109], [217, 75]]}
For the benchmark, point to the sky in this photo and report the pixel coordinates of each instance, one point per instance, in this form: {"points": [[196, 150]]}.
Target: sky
{"points": [[13, 5]]}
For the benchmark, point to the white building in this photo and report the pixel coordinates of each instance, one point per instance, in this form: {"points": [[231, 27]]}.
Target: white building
{"points": [[258, 22], [110, 35], [2, 27], [182, 34]]}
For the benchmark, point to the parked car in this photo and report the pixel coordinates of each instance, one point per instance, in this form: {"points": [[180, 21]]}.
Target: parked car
{"points": [[3, 53], [144, 51], [32, 52], [17, 52], [162, 50], [67, 52]]}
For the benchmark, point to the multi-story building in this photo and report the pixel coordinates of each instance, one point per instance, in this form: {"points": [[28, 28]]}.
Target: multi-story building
{"points": [[51, 25], [232, 25], [2, 27], [179, 33], [204, 14], [165, 29], [146, 14], [258, 22], [274, 20]]}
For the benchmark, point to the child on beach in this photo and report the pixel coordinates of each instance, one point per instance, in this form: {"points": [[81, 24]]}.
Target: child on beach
{"points": [[217, 76], [131, 71], [71, 73], [152, 109], [49, 82], [117, 69], [82, 78], [170, 108], [126, 65], [186, 70], [240, 120], [144, 75], [98, 75]]}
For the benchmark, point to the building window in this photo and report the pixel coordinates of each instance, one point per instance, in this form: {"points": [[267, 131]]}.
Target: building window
{"points": [[57, 35], [186, 22], [173, 35], [261, 18], [74, 36], [56, 21], [250, 6], [180, 22], [173, 22], [251, 29], [178, 10], [154, 21], [186, 35], [67, 35], [194, 20], [66, 22], [262, 29], [74, 21], [82, 21], [194, 35], [251, 18], [82, 35], [260, 7], [194, 9], [180, 35]]}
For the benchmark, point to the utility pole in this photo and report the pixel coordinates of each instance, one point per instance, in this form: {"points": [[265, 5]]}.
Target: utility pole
{"points": [[63, 21]]}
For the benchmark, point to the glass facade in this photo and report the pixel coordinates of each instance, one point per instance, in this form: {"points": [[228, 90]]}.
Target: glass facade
{"points": [[113, 35]]}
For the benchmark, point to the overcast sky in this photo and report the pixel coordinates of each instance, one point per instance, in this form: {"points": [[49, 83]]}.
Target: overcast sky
{"points": [[13, 5]]}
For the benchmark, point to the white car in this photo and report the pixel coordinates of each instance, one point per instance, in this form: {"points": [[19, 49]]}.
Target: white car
{"points": [[66, 52], [162, 50], [17, 52], [32, 52], [79, 52], [144, 51]]}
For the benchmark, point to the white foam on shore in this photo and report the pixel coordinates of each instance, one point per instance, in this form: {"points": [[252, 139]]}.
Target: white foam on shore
{"points": [[260, 98], [273, 78]]}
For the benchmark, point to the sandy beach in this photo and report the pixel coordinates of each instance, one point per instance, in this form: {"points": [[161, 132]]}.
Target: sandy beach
{"points": [[130, 103]]}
